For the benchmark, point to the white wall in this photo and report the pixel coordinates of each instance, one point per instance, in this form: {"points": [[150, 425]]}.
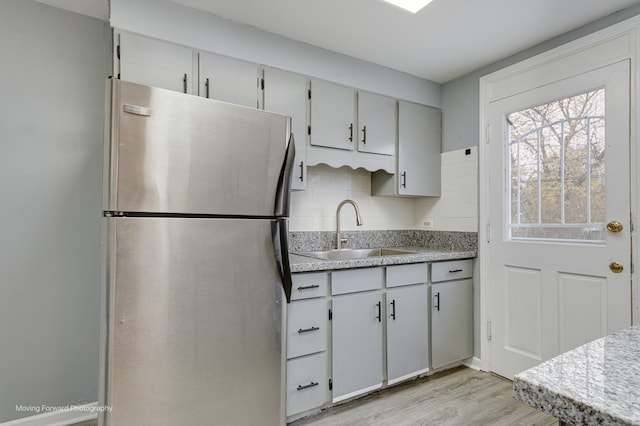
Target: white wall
{"points": [[51, 126], [315, 208], [457, 207], [179, 24]]}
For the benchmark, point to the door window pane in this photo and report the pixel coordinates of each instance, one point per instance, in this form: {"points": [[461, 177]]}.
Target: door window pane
{"points": [[557, 169]]}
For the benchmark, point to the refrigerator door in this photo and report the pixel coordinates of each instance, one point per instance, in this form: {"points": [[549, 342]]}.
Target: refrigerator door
{"points": [[169, 152], [195, 317]]}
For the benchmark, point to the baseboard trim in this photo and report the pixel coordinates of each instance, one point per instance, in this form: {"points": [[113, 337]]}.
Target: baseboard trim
{"points": [[60, 417], [474, 363]]}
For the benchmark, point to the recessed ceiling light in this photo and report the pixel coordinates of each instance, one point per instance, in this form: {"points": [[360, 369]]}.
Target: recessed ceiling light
{"points": [[411, 5]]}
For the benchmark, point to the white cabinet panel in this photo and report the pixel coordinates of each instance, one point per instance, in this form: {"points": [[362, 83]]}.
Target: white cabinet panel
{"points": [[286, 93], [451, 322], [400, 275], [357, 343], [227, 79], [451, 270], [307, 322], [376, 124], [156, 63], [354, 280], [309, 285], [407, 331], [307, 383], [419, 146], [332, 115]]}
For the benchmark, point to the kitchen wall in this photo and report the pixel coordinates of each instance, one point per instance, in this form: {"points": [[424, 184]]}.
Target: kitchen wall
{"points": [[51, 120], [315, 208], [461, 97]]}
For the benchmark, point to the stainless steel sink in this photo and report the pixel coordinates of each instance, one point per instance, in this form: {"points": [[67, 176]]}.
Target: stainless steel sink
{"points": [[348, 254]]}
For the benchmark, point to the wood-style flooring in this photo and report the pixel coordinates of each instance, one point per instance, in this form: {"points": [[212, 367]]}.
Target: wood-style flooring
{"points": [[460, 397]]}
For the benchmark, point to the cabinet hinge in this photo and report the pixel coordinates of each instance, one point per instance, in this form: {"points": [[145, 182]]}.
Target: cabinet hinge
{"points": [[330, 315], [118, 51], [633, 267], [489, 330], [118, 76], [309, 94], [309, 130], [330, 384], [488, 135], [262, 83]]}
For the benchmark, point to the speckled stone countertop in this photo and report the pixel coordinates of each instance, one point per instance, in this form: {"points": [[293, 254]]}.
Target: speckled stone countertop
{"points": [[427, 246], [306, 264], [594, 384]]}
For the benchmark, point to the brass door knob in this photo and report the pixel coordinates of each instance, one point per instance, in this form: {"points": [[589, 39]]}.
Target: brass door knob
{"points": [[616, 267], [614, 226]]}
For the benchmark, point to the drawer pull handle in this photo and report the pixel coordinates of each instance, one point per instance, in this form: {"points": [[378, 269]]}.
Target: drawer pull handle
{"points": [[454, 271], [308, 287], [310, 385], [306, 330]]}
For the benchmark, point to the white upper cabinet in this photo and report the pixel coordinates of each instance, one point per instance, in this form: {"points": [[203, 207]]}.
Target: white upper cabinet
{"points": [[376, 124], [417, 171], [419, 146], [286, 93], [155, 63], [332, 115], [227, 79]]}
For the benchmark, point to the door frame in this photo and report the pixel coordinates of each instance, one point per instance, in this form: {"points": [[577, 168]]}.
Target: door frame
{"points": [[610, 45]]}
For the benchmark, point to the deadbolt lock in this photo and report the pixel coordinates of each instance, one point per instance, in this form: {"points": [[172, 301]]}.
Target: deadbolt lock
{"points": [[616, 267], [614, 226]]}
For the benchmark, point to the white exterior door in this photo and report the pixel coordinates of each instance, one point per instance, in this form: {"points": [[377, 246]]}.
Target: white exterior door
{"points": [[558, 178]]}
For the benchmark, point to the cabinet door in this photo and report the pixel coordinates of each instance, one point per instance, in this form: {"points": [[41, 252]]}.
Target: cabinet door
{"points": [[285, 93], [227, 79], [156, 63], [332, 115], [419, 134], [357, 343], [306, 327], [451, 322], [407, 331], [376, 124], [307, 382]]}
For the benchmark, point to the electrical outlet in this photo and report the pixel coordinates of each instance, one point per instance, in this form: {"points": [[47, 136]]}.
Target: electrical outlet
{"points": [[427, 224]]}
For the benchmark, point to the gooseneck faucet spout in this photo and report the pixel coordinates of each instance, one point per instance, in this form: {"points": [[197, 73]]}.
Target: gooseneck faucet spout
{"points": [[358, 220]]}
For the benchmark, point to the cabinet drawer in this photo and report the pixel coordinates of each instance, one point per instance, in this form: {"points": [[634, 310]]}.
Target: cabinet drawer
{"points": [[399, 275], [306, 286], [307, 327], [452, 270], [307, 382], [354, 280]]}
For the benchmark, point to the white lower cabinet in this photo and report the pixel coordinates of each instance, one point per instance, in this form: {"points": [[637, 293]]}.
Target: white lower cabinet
{"points": [[357, 343], [379, 323], [307, 383], [307, 341], [451, 312], [407, 332]]}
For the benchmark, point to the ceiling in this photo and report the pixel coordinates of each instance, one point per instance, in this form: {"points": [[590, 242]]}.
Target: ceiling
{"points": [[445, 40]]}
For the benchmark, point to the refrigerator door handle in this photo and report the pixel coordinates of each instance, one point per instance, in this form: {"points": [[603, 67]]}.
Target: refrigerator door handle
{"points": [[283, 193], [281, 247]]}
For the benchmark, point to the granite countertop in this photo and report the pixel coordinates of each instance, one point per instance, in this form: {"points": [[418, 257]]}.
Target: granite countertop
{"points": [[597, 383], [421, 254]]}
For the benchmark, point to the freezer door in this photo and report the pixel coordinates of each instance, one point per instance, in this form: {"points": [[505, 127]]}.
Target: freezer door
{"points": [[169, 152], [194, 328]]}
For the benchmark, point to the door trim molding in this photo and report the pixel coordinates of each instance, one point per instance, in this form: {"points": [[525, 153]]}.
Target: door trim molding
{"points": [[607, 46]]}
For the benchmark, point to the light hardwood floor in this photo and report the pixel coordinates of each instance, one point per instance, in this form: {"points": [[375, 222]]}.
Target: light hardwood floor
{"points": [[460, 397]]}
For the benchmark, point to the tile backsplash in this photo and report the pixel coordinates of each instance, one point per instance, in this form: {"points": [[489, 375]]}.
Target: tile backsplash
{"points": [[456, 210]]}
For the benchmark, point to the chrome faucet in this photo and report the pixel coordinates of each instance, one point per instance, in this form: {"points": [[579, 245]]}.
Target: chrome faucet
{"points": [[339, 240]]}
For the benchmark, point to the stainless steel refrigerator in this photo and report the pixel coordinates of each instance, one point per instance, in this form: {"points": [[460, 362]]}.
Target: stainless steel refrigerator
{"points": [[196, 266]]}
